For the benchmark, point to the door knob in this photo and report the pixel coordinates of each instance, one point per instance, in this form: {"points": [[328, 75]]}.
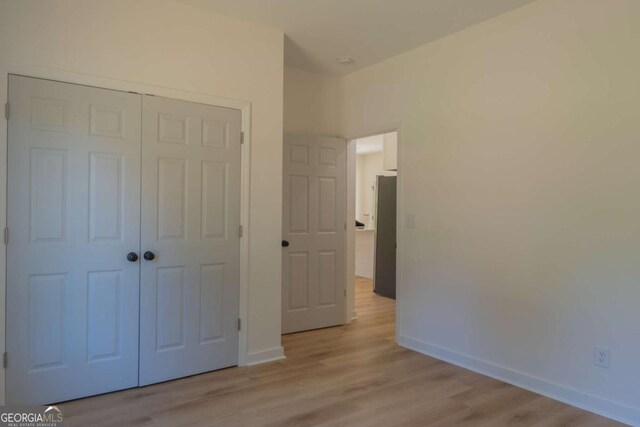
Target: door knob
{"points": [[149, 256], [132, 257], [285, 243]]}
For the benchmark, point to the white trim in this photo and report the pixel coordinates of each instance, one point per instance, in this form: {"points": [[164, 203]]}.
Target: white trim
{"points": [[588, 402], [265, 356], [127, 86], [245, 206], [390, 127], [349, 235], [4, 86]]}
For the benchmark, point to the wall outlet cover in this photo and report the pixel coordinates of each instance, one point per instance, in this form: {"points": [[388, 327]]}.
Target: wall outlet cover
{"points": [[602, 357]]}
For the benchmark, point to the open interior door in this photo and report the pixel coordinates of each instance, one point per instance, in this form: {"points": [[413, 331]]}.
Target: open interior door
{"points": [[314, 215]]}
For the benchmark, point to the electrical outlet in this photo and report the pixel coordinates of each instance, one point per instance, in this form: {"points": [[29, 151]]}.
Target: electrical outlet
{"points": [[601, 357]]}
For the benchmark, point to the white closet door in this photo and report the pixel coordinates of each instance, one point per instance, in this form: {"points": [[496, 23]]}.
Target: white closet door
{"points": [[314, 212], [190, 210], [73, 215]]}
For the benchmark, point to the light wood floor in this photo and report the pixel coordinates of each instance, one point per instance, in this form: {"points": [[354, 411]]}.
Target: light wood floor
{"points": [[345, 376]]}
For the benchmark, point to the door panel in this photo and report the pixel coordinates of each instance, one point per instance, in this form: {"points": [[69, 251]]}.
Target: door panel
{"points": [[327, 205], [298, 208], [214, 200], [172, 195], [105, 196], [211, 302], [48, 188], [103, 307], [328, 280], [191, 211], [169, 325], [298, 273], [314, 212], [73, 215]]}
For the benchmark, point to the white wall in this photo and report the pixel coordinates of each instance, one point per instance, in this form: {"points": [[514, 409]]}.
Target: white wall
{"points": [[310, 103], [520, 148], [168, 44]]}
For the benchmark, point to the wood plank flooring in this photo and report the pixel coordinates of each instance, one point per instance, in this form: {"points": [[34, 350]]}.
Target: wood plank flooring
{"points": [[344, 376]]}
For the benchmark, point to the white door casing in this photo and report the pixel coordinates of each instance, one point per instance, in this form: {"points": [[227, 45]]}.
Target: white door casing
{"points": [[314, 215], [73, 215], [21, 69], [191, 220]]}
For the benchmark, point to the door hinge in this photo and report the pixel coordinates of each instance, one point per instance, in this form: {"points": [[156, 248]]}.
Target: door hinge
{"points": [[7, 110], [239, 325], [5, 360], [241, 137], [345, 292], [6, 235], [240, 231]]}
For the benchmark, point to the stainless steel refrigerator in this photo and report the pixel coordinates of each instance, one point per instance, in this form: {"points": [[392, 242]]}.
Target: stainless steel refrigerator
{"points": [[384, 276]]}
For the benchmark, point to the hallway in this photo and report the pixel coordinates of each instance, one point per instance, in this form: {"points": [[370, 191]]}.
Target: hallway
{"points": [[344, 376]]}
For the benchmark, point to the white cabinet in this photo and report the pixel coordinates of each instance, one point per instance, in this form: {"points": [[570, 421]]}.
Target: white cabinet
{"points": [[364, 253], [390, 150]]}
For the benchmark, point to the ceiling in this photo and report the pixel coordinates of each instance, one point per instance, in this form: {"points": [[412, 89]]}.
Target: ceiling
{"points": [[318, 32], [370, 144]]}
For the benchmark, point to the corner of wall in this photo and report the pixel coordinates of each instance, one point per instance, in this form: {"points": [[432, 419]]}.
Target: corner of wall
{"points": [[265, 356]]}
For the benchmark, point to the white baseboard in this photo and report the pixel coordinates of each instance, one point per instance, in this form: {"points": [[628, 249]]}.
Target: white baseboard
{"points": [[588, 402], [354, 315], [264, 356]]}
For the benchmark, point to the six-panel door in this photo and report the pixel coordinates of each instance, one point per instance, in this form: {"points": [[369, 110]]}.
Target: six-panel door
{"points": [[73, 215], [76, 325], [314, 212], [190, 211]]}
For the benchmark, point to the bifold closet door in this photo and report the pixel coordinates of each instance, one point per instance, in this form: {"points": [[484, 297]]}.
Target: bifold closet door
{"points": [[190, 233], [73, 216]]}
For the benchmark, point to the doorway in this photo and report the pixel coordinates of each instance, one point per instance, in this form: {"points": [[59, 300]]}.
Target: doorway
{"points": [[368, 165], [375, 212]]}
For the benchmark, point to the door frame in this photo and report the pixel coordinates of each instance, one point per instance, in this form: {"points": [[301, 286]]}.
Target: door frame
{"points": [[142, 89], [351, 217]]}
